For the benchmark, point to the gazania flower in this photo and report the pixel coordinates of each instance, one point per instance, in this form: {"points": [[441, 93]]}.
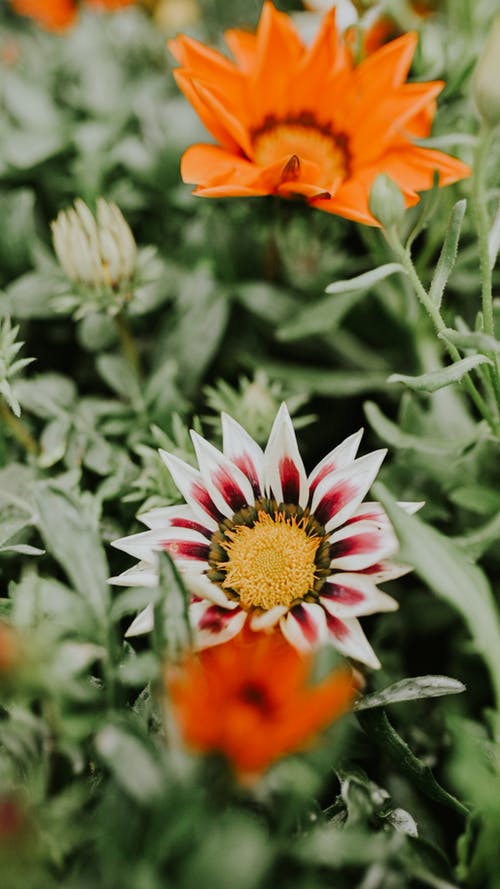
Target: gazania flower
{"points": [[261, 543], [57, 15], [251, 700], [293, 120]]}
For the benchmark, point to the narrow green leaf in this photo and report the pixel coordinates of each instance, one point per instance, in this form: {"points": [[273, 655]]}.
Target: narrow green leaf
{"points": [[172, 630], [378, 728], [480, 342], [391, 434], [131, 762], [366, 280], [321, 316], [413, 689], [68, 529], [451, 575], [438, 379], [448, 253]]}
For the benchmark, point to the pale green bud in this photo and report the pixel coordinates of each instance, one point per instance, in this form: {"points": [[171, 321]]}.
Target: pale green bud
{"points": [[387, 203], [486, 80], [95, 250]]}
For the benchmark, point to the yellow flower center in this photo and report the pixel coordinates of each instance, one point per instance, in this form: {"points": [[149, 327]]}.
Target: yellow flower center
{"points": [[271, 562], [306, 141]]}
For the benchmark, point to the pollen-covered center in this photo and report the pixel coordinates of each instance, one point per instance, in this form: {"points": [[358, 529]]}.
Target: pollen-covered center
{"points": [[271, 562], [306, 141]]}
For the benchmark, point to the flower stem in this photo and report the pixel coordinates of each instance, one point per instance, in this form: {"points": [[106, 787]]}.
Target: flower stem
{"points": [[435, 315], [482, 222], [17, 429], [128, 344]]}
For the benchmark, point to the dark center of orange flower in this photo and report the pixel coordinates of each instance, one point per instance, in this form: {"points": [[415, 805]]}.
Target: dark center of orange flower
{"points": [[255, 695], [303, 138]]}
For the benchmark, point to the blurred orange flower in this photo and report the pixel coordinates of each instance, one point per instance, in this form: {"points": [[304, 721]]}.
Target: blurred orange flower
{"points": [[250, 699], [295, 120], [10, 649], [57, 15]]}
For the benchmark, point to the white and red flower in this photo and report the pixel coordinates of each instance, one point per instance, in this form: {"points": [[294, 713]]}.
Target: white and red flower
{"points": [[259, 541]]}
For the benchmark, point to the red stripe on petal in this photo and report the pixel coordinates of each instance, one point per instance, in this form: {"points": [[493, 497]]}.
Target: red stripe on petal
{"points": [[343, 594], [246, 464], [215, 619], [186, 549], [230, 490], [290, 480], [193, 526], [354, 546], [306, 623], [334, 501], [320, 476], [336, 627], [201, 495]]}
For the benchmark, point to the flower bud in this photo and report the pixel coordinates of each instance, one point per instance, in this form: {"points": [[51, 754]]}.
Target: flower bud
{"points": [[99, 251], [387, 203], [486, 80]]}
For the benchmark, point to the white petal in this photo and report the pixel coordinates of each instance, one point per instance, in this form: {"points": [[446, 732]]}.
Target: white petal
{"points": [[304, 627], [348, 638], [361, 544], [200, 585], [180, 515], [190, 484], [375, 511], [341, 456], [385, 570], [227, 485], [266, 620], [244, 452], [143, 623], [142, 574], [213, 625], [353, 595], [340, 493], [285, 474]]}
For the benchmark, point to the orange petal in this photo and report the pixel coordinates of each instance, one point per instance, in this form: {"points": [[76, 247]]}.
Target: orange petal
{"points": [[206, 115], [279, 50], [224, 115], [243, 45], [208, 164]]}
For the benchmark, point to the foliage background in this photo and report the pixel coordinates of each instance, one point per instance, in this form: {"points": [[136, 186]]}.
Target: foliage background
{"points": [[229, 311]]}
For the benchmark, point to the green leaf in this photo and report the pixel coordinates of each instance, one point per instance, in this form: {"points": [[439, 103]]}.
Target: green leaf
{"points": [[172, 630], [480, 342], [70, 534], [411, 690], [322, 381], [393, 435], [380, 731], [131, 762], [443, 566], [438, 379], [448, 253], [366, 280]]}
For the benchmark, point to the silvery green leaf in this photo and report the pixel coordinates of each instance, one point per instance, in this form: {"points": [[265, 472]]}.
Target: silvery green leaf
{"points": [[480, 342], [448, 253], [366, 280], [438, 379], [413, 689]]}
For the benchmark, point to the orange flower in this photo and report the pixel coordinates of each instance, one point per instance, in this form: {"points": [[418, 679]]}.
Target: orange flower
{"points": [[10, 649], [250, 700], [57, 15], [294, 120]]}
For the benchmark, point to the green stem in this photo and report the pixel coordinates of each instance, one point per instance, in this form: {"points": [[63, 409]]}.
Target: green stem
{"points": [[439, 325], [482, 221], [128, 344], [17, 429]]}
